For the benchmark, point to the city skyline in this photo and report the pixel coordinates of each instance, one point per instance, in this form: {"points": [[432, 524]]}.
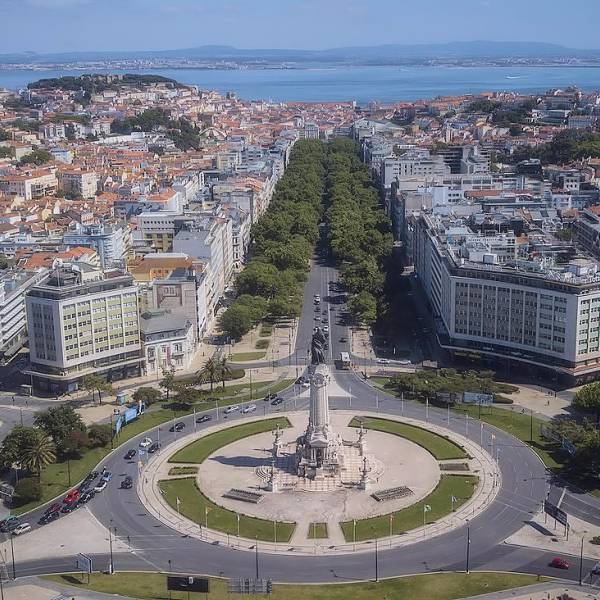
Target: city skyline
{"points": [[90, 25]]}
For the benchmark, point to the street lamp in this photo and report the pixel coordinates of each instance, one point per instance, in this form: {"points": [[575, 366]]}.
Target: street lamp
{"points": [[111, 565], [468, 545], [581, 559]]}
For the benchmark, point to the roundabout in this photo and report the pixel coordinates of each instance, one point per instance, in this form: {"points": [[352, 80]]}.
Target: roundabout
{"points": [[429, 496]]}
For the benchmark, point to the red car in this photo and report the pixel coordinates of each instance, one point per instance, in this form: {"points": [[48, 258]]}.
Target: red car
{"points": [[72, 496], [559, 563], [54, 508]]}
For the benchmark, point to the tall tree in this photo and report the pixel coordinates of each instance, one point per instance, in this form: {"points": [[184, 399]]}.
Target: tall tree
{"points": [[211, 371], [224, 369], [587, 399], [39, 453], [168, 381], [59, 422]]}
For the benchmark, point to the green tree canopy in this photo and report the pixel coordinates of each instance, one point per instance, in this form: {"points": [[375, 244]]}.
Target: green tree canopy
{"points": [[59, 422]]}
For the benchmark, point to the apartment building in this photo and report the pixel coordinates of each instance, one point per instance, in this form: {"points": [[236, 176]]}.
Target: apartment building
{"points": [[82, 321], [534, 311], [78, 182], [13, 322], [30, 184], [111, 242], [415, 163]]}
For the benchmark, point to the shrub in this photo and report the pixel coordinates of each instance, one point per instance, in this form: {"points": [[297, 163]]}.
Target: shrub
{"points": [[99, 435], [595, 540], [266, 330], [28, 490], [502, 400], [262, 344]]}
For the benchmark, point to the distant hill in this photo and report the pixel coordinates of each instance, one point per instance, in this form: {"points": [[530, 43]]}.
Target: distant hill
{"points": [[366, 54]]}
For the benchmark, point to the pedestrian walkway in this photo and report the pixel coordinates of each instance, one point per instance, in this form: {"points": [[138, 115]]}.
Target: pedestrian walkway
{"points": [[542, 591], [33, 588]]}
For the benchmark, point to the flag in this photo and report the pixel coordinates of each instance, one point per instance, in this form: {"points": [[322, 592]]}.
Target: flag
{"points": [[426, 508]]}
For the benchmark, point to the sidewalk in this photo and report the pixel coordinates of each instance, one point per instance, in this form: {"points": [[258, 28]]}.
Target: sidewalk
{"points": [[33, 588]]}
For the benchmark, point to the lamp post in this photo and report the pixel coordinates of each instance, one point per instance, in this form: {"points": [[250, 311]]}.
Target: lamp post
{"points": [[12, 553], [111, 564], [256, 556], [468, 545], [581, 560], [376, 560]]}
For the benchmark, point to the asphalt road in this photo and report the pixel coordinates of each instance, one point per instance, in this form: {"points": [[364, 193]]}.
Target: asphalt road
{"points": [[154, 546]]}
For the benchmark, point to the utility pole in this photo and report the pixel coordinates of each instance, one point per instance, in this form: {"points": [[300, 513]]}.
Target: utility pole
{"points": [[468, 546], [256, 556], [376, 560], [581, 563], [12, 552]]}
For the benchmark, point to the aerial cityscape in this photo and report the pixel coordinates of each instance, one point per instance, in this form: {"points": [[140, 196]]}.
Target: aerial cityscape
{"points": [[299, 300]]}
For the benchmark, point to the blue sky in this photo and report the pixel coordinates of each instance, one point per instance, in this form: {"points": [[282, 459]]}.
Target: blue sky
{"points": [[68, 25]]}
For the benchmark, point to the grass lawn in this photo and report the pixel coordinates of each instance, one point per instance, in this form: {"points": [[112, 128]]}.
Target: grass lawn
{"points": [[519, 425], [193, 505], [459, 486], [183, 470], [199, 450], [441, 586], [441, 447], [240, 392], [55, 477], [317, 531], [246, 356]]}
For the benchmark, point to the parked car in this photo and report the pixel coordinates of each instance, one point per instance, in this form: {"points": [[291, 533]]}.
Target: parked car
{"points": [[232, 408], [101, 486], [127, 483], [54, 508], [106, 476], [130, 454], [21, 528], [343, 339], [91, 476], [325, 329], [203, 419], [85, 498], [146, 442], [154, 448], [83, 486], [49, 517], [269, 397], [277, 400], [8, 524], [70, 507], [300, 380], [559, 563], [72, 496], [249, 408], [177, 427], [306, 384]]}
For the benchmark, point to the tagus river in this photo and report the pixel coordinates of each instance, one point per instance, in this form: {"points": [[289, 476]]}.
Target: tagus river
{"points": [[363, 84]]}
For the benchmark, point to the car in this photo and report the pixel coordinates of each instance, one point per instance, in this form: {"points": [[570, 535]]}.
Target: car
{"points": [[324, 320], [249, 408], [106, 476], [146, 442], [305, 384], [232, 408], [54, 508], [203, 419], [21, 528], [127, 483], [269, 397], [596, 569], [49, 517], [9, 524], [70, 507], [325, 329], [277, 400], [559, 563], [101, 486], [404, 361], [343, 340], [177, 427], [91, 476], [130, 454], [383, 361], [85, 498], [72, 496], [84, 486], [300, 380], [154, 448]]}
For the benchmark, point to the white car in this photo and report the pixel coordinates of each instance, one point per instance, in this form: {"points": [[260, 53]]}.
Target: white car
{"points": [[22, 528], [146, 442], [249, 408], [325, 329], [383, 361], [305, 384], [404, 361], [101, 486], [232, 408]]}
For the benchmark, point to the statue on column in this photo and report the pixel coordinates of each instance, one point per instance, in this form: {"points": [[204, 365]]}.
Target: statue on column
{"points": [[317, 347]]}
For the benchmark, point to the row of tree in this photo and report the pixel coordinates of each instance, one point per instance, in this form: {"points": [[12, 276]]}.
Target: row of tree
{"points": [[282, 244], [566, 146], [359, 232]]}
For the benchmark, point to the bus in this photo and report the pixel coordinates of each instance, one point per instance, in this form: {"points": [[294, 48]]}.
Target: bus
{"points": [[345, 360]]}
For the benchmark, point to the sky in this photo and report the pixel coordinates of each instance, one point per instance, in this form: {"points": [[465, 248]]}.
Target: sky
{"points": [[79, 25]]}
